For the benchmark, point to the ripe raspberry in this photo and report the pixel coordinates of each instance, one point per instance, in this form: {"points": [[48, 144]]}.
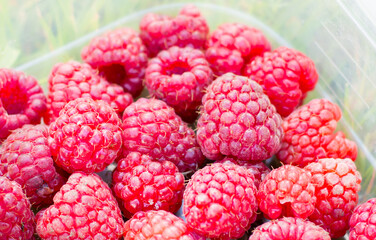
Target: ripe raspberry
{"points": [[84, 208], [238, 120], [187, 29], [25, 157], [16, 218], [309, 135], [120, 57], [286, 76], [289, 229], [179, 77], [86, 136], [26, 106], [337, 184], [72, 80], [362, 221], [153, 128], [287, 192], [220, 202], [232, 45]]}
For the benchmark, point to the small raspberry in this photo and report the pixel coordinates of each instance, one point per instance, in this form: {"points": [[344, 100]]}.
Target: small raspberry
{"points": [[120, 57], [238, 120], [286, 76], [86, 136], [187, 29], [25, 157], [142, 184], [309, 135], [16, 218], [84, 208], [153, 128], [337, 184], [232, 45], [289, 229], [362, 221], [22, 101], [179, 77], [72, 80], [220, 202]]}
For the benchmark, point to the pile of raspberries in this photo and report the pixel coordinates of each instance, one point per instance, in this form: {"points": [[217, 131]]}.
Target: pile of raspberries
{"points": [[220, 105]]}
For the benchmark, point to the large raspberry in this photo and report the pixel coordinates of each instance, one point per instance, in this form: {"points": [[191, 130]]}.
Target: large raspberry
{"points": [[220, 201], [84, 208], [179, 77], [16, 218], [309, 135], [232, 45], [286, 76], [25, 157], [363, 221], [86, 136], [289, 229], [120, 57], [22, 101], [187, 29], [237, 119], [337, 184], [141, 184], [153, 128], [72, 80]]}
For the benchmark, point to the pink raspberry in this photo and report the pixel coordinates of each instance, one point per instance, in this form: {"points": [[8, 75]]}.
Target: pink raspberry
{"points": [[179, 77], [362, 221], [120, 57]]}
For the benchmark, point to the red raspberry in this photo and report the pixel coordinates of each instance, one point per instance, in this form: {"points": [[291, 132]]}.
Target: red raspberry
{"points": [[309, 135], [72, 80], [232, 45], [153, 128], [238, 120], [187, 29], [86, 136], [142, 184], [26, 106], [16, 218], [362, 221], [156, 225], [220, 202], [286, 76], [337, 184], [84, 208], [287, 192], [25, 157], [120, 57], [289, 229], [179, 77]]}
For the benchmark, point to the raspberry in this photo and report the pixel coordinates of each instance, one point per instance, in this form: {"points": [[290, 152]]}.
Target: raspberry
{"points": [[156, 225], [27, 106], [84, 208], [179, 77], [153, 128], [86, 136], [72, 80], [220, 202], [287, 192], [362, 221], [25, 157], [16, 218], [309, 135], [142, 184], [232, 45], [187, 29], [238, 120], [289, 229], [120, 57], [337, 184], [286, 76]]}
